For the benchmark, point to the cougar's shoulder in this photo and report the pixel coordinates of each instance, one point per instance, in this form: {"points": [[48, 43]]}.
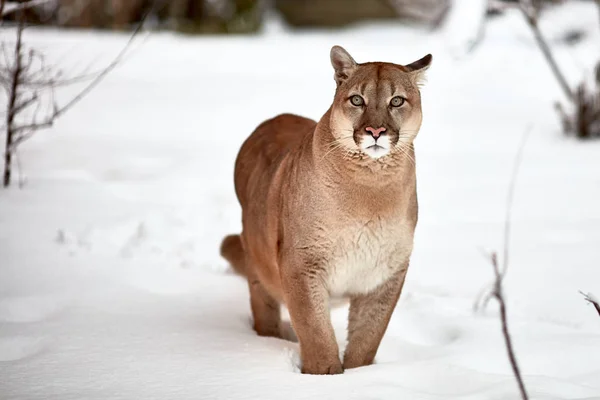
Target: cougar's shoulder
{"points": [[265, 148]]}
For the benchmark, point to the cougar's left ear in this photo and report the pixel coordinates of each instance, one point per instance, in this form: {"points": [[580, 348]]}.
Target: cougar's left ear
{"points": [[342, 63], [418, 68]]}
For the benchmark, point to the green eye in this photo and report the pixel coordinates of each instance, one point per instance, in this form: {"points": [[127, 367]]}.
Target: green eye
{"points": [[356, 100], [397, 101]]}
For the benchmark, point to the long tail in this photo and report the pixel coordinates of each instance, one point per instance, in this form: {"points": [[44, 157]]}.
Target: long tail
{"points": [[232, 251]]}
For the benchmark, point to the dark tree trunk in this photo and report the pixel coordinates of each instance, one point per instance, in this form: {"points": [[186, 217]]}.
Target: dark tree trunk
{"points": [[7, 161], [12, 101]]}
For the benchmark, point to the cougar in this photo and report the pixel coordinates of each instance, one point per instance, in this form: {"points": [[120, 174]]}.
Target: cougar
{"points": [[329, 210]]}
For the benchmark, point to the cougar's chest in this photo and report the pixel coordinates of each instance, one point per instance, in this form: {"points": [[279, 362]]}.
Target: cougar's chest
{"points": [[366, 254]]}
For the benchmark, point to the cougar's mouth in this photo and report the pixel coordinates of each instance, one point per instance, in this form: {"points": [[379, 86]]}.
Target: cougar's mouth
{"points": [[376, 151]]}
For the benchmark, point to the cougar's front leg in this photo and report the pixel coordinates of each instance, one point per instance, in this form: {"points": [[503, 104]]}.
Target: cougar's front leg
{"points": [[368, 319], [308, 303]]}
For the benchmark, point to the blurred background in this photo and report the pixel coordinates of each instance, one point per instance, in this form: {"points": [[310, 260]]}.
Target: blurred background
{"points": [[120, 122], [231, 16]]}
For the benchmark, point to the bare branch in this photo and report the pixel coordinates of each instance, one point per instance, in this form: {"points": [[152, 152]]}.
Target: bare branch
{"points": [[25, 103], [57, 82], [12, 101], [510, 198], [108, 69], [478, 39], [530, 12], [46, 76], [497, 293], [499, 274], [592, 300], [6, 56], [29, 73], [25, 135], [35, 126], [486, 294]]}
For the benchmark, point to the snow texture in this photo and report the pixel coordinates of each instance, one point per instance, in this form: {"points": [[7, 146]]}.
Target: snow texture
{"points": [[111, 286]]}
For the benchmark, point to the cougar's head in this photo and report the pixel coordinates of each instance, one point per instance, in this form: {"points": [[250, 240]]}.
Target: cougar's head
{"points": [[377, 106]]}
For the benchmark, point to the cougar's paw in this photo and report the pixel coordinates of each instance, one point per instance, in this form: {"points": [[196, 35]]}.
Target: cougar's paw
{"points": [[354, 363], [323, 368], [268, 331], [356, 359]]}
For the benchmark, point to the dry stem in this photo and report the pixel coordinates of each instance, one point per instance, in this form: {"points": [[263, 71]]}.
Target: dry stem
{"points": [[499, 273], [590, 299], [497, 293], [530, 12]]}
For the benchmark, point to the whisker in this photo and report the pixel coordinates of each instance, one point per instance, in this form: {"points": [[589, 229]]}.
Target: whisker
{"points": [[331, 150], [342, 138], [336, 144], [338, 140], [405, 150]]}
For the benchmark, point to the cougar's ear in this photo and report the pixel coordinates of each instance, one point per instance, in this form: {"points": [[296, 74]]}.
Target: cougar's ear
{"points": [[418, 68], [343, 64]]}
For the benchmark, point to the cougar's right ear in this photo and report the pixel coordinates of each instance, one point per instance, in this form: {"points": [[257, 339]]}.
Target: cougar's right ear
{"points": [[418, 68], [343, 64]]}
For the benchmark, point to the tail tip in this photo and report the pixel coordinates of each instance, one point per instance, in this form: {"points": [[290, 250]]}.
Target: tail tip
{"points": [[229, 243], [233, 252]]}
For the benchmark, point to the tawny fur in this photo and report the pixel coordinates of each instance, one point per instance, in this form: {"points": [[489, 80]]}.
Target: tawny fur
{"points": [[326, 216]]}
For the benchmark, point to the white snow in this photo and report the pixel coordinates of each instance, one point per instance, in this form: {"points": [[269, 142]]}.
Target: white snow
{"points": [[111, 286]]}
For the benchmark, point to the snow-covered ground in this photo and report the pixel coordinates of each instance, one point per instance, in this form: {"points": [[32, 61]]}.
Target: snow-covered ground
{"points": [[111, 286]]}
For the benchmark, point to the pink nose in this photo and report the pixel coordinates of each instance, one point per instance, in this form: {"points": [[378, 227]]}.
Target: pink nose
{"points": [[375, 132]]}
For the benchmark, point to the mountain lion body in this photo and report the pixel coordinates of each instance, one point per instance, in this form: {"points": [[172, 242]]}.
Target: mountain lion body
{"points": [[329, 210]]}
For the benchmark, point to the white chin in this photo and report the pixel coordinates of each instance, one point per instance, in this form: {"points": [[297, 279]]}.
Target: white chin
{"points": [[376, 151]]}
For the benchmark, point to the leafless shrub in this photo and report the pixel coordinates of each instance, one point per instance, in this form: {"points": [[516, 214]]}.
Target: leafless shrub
{"points": [[30, 84], [581, 115], [583, 118], [495, 291]]}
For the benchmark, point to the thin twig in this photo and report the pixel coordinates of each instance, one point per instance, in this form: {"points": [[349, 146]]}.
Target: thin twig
{"points": [[25, 103], [35, 126], [592, 300], [486, 294], [108, 69], [499, 296], [28, 72], [510, 198], [499, 274], [12, 101], [59, 82], [479, 36]]}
